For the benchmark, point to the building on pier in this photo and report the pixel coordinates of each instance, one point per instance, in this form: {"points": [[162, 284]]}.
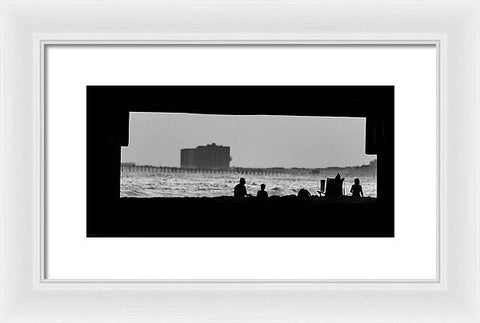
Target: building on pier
{"points": [[188, 158], [206, 157]]}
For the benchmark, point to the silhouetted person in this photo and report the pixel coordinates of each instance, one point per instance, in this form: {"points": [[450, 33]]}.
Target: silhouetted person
{"points": [[262, 193], [304, 194], [240, 190], [356, 189]]}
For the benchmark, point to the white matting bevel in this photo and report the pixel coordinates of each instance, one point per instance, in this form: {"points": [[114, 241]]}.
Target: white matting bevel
{"points": [[25, 25]]}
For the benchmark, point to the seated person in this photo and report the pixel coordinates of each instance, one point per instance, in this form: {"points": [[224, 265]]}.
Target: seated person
{"points": [[303, 194], [240, 190], [356, 189], [262, 193]]}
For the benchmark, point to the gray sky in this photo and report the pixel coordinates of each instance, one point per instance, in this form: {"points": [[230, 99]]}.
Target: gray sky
{"points": [[255, 141]]}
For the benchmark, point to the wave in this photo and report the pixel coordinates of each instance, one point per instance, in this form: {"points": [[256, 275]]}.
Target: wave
{"points": [[211, 185]]}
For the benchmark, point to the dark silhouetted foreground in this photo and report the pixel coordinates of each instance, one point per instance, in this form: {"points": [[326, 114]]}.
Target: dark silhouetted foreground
{"points": [[228, 216]]}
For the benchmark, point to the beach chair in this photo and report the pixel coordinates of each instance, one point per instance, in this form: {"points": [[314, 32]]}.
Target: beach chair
{"points": [[322, 187], [334, 187]]}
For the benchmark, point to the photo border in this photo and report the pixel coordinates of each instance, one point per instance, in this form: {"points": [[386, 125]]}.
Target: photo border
{"points": [[451, 25], [374, 102]]}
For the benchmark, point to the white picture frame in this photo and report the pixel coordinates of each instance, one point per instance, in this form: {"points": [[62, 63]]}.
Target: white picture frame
{"points": [[27, 26]]}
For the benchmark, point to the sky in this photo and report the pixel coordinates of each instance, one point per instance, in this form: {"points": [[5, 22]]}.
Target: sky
{"points": [[255, 141]]}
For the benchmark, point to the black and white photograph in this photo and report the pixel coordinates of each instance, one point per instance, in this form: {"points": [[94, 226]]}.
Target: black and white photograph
{"points": [[222, 156], [240, 161]]}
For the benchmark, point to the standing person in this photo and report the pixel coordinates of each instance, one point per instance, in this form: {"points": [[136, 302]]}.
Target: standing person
{"points": [[262, 193], [240, 190], [356, 189]]}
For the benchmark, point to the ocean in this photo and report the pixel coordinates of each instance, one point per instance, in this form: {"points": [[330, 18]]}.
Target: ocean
{"points": [[146, 185]]}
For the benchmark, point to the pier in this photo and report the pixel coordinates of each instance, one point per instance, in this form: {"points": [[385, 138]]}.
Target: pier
{"points": [[180, 170], [370, 169]]}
